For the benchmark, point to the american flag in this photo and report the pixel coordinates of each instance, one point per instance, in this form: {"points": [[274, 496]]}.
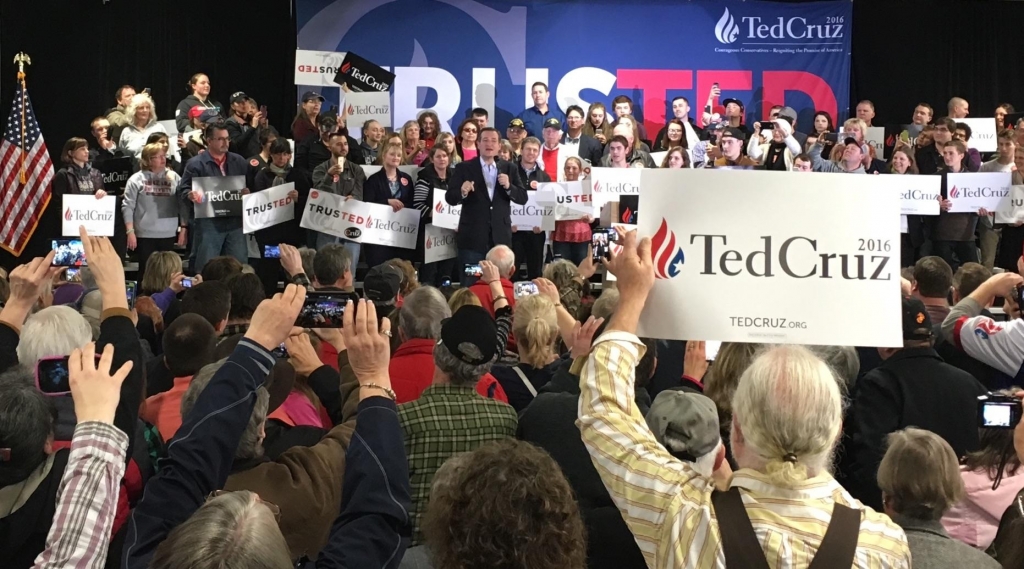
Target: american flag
{"points": [[22, 204]]}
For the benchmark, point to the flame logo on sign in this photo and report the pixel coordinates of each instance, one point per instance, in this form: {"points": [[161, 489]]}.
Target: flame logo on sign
{"points": [[955, 192], [67, 214], [668, 257], [597, 186], [369, 221], [428, 243], [627, 215], [726, 29], [351, 111], [439, 208], [346, 67]]}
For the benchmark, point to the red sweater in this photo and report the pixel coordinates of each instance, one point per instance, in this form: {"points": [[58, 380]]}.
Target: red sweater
{"points": [[412, 370]]}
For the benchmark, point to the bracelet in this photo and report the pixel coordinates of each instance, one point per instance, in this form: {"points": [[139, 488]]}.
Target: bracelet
{"points": [[387, 390], [130, 231], [497, 298]]}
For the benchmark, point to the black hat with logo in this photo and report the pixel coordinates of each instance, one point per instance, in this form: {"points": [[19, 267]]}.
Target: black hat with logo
{"points": [[470, 335], [917, 324]]}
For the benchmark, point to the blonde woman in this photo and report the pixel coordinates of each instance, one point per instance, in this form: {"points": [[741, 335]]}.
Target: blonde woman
{"points": [[142, 122], [161, 270], [535, 328], [150, 209], [393, 139], [415, 148], [463, 297], [446, 140]]}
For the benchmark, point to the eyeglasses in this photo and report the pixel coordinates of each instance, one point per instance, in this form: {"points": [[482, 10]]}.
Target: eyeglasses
{"points": [[274, 509], [467, 129]]}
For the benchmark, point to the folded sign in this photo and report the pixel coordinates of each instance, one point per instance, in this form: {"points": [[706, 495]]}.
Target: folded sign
{"points": [[726, 271], [438, 244], [373, 224], [569, 200]]}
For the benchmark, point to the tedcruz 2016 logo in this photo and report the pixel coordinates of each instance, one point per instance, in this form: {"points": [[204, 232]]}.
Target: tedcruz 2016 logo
{"points": [[985, 192], [727, 30], [87, 215], [668, 256]]}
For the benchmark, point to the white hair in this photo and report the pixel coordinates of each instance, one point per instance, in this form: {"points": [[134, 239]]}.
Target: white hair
{"points": [[503, 258], [138, 100], [53, 331], [421, 314], [705, 465], [787, 406]]}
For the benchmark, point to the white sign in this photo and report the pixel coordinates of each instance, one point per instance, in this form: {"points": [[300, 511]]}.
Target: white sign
{"points": [[370, 223], [971, 191], [438, 244], [919, 195], [97, 216], [659, 157], [317, 68], [875, 136], [983, 134], [1015, 214], [609, 184], [569, 200], [727, 271], [446, 216], [410, 169], [267, 208], [362, 107], [526, 217]]}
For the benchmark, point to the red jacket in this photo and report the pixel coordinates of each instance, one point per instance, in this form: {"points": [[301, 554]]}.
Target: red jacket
{"points": [[412, 371]]}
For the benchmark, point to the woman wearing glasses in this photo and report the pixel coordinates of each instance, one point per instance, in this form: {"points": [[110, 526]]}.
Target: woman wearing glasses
{"points": [[466, 140]]}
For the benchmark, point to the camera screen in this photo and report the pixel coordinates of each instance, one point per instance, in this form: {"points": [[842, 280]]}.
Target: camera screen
{"points": [[54, 376], [69, 253], [323, 311], [130, 288], [186, 282], [524, 288], [997, 415], [601, 241], [474, 270], [271, 251]]}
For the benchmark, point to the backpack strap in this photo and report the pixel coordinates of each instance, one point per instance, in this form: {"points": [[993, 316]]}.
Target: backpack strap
{"points": [[739, 542], [526, 381], [840, 542]]}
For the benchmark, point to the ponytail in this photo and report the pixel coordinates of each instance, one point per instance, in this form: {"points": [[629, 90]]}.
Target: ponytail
{"points": [[535, 327]]}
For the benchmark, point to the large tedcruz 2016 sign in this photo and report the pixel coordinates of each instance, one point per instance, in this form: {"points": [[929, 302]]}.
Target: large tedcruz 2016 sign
{"points": [[728, 269], [763, 53]]}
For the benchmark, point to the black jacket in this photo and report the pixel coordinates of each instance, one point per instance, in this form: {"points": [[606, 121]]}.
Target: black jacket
{"points": [[312, 152], [186, 104], [589, 149], [485, 223], [656, 146], [377, 190], [289, 231], [538, 175], [550, 423], [913, 388], [245, 139]]}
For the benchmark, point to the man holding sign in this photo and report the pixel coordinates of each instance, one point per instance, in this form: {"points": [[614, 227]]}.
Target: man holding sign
{"points": [[214, 236], [954, 228], [486, 188], [341, 177]]}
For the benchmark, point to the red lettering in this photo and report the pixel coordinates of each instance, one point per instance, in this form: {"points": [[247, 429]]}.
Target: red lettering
{"points": [[776, 83], [654, 83], [728, 81]]}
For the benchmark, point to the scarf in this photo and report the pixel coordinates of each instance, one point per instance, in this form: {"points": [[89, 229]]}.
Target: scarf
{"points": [[279, 174]]}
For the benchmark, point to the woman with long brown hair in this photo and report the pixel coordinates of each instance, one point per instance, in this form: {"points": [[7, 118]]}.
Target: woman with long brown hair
{"points": [[675, 135], [430, 128], [304, 125], [597, 124], [466, 139]]}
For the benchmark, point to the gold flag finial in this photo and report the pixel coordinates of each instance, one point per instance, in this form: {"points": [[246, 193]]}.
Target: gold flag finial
{"points": [[21, 59]]}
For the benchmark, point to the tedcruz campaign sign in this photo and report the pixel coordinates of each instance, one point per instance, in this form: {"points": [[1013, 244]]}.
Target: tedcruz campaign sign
{"points": [[609, 184], [526, 217], [763, 53], [219, 196], [438, 244], [445, 215], [116, 172], [727, 271], [362, 222], [983, 134], [362, 107], [569, 200], [363, 76], [267, 208], [971, 191], [97, 216], [919, 195]]}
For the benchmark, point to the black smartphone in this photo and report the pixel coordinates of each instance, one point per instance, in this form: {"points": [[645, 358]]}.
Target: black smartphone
{"points": [[767, 125], [53, 376], [131, 288], [263, 110], [831, 137], [997, 411], [324, 309], [271, 251], [186, 282], [69, 253], [600, 242], [473, 270]]}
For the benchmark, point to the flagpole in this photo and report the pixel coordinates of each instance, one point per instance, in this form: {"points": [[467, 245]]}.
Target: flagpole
{"points": [[21, 59]]}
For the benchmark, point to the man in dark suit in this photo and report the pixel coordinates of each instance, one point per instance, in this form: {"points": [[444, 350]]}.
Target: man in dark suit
{"points": [[586, 147], [486, 188]]}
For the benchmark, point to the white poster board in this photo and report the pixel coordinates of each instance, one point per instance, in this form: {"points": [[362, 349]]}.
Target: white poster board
{"points": [[609, 184], [446, 216], [97, 216], [1014, 214], [875, 136], [919, 195], [569, 200], [971, 191], [369, 223], [983, 133], [726, 270], [438, 244], [532, 214], [317, 68], [267, 208], [362, 107]]}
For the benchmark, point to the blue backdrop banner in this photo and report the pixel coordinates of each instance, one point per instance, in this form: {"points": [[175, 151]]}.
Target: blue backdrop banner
{"points": [[453, 55]]}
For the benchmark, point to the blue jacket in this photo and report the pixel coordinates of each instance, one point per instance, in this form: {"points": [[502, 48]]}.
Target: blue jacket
{"points": [[203, 165], [534, 120]]}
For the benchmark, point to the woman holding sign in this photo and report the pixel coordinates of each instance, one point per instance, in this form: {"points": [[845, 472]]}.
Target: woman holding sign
{"points": [[571, 240], [434, 175], [150, 209], [392, 187], [277, 173]]}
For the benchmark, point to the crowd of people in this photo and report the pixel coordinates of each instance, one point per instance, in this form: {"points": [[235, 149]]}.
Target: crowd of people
{"points": [[217, 422]]}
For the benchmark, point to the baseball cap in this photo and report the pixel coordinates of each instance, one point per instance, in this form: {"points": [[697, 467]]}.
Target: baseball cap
{"points": [[238, 96], [470, 335], [788, 112], [196, 111], [310, 95], [850, 140], [725, 102], [553, 123], [734, 132], [685, 423], [917, 324], [209, 116], [382, 283], [516, 123]]}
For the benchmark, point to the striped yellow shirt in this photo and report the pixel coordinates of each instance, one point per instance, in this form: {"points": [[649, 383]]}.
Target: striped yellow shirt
{"points": [[667, 505]]}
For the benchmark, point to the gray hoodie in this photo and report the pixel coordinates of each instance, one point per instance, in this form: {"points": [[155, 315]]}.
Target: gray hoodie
{"points": [[822, 165], [149, 202]]}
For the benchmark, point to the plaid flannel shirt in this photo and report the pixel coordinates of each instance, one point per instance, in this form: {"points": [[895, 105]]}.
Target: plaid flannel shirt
{"points": [[447, 420], [87, 499]]}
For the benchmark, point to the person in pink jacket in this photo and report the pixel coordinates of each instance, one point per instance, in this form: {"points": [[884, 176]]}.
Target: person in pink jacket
{"points": [[992, 477]]}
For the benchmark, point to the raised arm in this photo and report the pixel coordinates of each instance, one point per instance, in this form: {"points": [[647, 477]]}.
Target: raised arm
{"points": [[998, 344], [27, 283]]}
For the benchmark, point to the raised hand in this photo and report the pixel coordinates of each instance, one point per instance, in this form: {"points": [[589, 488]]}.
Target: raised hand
{"points": [[275, 317], [94, 389]]}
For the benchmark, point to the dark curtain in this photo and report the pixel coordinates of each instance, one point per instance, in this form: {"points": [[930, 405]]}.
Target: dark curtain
{"points": [[83, 50]]}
